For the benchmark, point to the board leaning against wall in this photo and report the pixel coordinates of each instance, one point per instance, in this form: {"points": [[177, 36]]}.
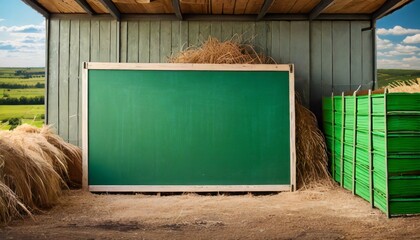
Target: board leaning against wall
{"points": [[188, 127]]}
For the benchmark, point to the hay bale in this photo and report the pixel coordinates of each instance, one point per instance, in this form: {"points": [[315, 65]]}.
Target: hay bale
{"points": [[35, 165], [311, 157], [311, 150], [70, 155], [411, 86], [216, 52], [10, 205]]}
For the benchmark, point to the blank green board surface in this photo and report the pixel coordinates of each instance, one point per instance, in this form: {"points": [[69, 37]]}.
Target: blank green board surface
{"points": [[166, 127]]}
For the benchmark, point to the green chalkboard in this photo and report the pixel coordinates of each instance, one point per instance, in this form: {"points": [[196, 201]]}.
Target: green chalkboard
{"points": [[188, 127]]}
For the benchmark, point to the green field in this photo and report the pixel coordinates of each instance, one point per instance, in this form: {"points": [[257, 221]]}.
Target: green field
{"points": [[387, 76], [27, 81], [31, 114], [17, 93]]}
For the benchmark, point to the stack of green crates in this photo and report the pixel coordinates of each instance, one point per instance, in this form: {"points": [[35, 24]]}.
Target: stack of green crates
{"points": [[374, 142]]}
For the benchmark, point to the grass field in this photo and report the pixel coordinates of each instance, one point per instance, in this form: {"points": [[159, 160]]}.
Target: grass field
{"points": [[30, 114], [17, 93], [27, 81], [387, 76]]}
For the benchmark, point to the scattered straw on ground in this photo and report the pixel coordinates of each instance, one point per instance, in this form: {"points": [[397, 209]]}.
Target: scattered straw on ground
{"points": [[311, 151], [412, 86], [34, 167]]}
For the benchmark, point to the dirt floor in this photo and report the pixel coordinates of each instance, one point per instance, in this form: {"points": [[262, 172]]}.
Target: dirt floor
{"points": [[312, 214]]}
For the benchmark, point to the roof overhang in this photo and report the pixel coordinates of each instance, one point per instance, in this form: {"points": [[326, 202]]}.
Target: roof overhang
{"points": [[221, 10]]}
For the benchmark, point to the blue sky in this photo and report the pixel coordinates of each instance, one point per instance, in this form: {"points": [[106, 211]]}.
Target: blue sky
{"points": [[398, 38], [22, 37]]}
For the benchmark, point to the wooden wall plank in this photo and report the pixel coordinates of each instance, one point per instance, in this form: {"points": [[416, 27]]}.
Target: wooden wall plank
{"points": [[132, 41], [299, 55], [327, 59], [356, 55], [105, 41], [53, 73], [114, 45], [260, 37], [165, 41], [275, 41], [84, 56], [216, 29], [154, 41], [193, 33], [284, 42], [205, 31], [95, 41], [237, 30], [341, 56], [144, 41], [184, 34], [73, 100], [316, 68], [227, 28], [368, 61], [176, 38], [268, 38], [123, 36], [64, 79], [248, 29]]}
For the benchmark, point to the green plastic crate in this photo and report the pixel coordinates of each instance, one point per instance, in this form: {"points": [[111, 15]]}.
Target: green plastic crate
{"points": [[374, 144]]}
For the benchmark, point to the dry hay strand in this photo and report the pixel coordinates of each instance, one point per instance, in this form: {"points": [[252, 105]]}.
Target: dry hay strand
{"points": [[34, 168], [66, 154], [311, 153], [212, 51], [411, 86], [10, 205], [27, 172], [311, 150]]}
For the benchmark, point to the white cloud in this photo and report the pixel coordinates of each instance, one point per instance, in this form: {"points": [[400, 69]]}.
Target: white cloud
{"points": [[23, 29], [412, 39], [397, 30], [22, 46], [405, 63], [2, 19], [382, 44]]}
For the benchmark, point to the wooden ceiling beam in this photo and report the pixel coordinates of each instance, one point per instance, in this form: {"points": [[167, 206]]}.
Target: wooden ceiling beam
{"points": [[113, 10], [85, 5], [37, 7], [264, 9], [177, 9], [319, 8], [387, 8]]}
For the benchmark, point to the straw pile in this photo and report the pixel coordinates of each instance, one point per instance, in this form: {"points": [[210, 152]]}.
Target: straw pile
{"points": [[34, 168], [411, 86], [216, 52], [311, 153]]}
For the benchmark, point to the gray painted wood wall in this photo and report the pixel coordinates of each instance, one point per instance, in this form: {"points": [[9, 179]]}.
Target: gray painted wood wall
{"points": [[328, 55]]}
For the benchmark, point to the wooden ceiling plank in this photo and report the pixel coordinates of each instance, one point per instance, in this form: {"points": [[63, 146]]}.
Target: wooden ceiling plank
{"points": [[113, 10], [388, 7], [216, 6], [253, 7], [266, 6], [37, 7], [324, 4], [177, 9], [85, 5], [240, 6], [97, 6]]}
